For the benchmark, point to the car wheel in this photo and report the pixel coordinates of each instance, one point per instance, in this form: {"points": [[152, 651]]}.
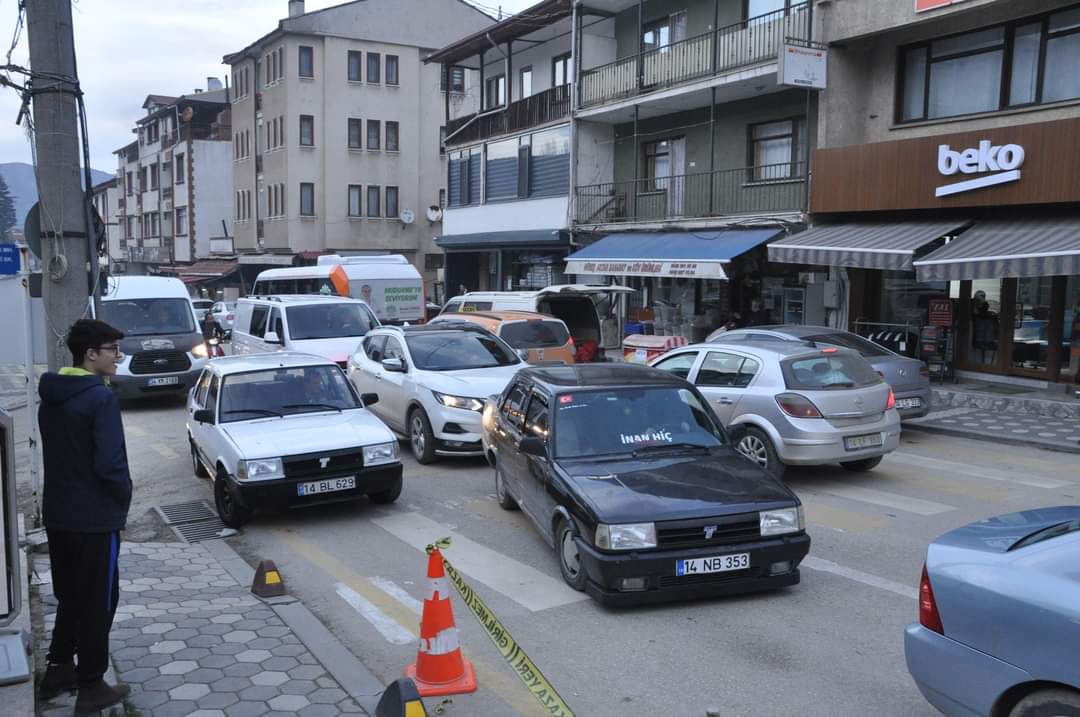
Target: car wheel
{"points": [[862, 465], [506, 501], [421, 437], [232, 514], [1048, 703], [756, 446], [196, 465], [569, 558], [385, 497]]}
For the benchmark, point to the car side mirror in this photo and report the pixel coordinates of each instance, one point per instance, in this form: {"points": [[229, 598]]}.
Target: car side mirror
{"points": [[271, 337], [369, 399], [532, 446], [523, 354], [394, 365], [203, 415]]}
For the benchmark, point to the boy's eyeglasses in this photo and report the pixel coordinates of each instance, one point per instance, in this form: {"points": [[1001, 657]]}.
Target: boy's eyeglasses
{"points": [[115, 348]]}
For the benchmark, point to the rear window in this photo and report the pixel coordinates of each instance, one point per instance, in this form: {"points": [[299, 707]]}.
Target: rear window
{"points": [[534, 334], [828, 371], [850, 341], [1054, 531]]}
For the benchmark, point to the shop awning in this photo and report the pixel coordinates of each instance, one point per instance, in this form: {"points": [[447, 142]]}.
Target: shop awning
{"points": [[995, 249], [886, 245], [200, 271], [486, 241], [694, 255]]}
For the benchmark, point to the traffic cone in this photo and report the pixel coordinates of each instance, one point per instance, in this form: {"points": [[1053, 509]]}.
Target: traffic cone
{"points": [[439, 668]]}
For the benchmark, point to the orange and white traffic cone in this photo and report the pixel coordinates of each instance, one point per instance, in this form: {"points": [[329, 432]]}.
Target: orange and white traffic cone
{"points": [[440, 668]]}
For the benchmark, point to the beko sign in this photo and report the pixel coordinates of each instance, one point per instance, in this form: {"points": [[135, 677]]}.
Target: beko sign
{"points": [[1001, 161]]}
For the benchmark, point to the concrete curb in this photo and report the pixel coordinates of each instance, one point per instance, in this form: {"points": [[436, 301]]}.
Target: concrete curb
{"points": [[992, 438]]}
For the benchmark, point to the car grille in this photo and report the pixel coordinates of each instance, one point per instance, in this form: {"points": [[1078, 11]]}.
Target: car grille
{"points": [[739, 528], [675, 581], [311, 464], [160, 362]]}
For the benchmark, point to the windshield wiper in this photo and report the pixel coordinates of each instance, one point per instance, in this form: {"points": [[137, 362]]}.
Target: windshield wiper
{"points": [[669, 446], [313, 405], [263, 411]]}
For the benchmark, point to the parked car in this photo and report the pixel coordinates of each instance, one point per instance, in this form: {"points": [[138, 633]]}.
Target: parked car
{"points": [[327, 326], [789, 403], [628, 476], [202, 307], [287, 430], [224, 314], [909, 377], [164, 348], [536, 338], [999, 617], [432, 381]]}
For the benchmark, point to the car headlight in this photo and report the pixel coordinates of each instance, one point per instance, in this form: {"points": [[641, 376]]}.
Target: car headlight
{"points": [[781, 521], [632, 536], [260, 469], [381, 453], [469, 404], [199, 351]]}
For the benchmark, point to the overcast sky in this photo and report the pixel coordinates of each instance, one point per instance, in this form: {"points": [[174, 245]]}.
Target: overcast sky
{"points": [[127, 49]]}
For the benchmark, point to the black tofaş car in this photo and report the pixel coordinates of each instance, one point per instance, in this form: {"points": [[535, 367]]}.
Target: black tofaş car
{"points": [[629, 476]]}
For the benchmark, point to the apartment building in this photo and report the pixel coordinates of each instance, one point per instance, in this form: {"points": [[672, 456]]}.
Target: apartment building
{"points": [[944, 188], [106, 200], [650, 143], [337, 132], [175, 181]]}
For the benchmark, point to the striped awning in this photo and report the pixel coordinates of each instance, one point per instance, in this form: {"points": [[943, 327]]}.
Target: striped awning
{"points": [[886, 245], [1013, 248]]}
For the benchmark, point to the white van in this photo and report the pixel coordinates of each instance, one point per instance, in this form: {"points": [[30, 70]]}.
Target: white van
{"points": [[590, 311], [163, 345], [327, 326], [389, 284]]}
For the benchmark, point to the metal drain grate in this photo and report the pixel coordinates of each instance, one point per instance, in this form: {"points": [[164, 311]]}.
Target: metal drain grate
{"points": [[199, 530], [192, 522], [185, 512]]}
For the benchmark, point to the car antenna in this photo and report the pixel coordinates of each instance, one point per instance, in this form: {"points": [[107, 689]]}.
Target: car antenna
{"points": [[811, 343]]}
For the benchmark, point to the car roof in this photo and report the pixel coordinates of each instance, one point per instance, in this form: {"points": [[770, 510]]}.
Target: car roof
{"points": [[298, 299], [500, 315], [434, 327], [599, 375], [796, 330], [145, 287], [777, 349], [260, 362]]}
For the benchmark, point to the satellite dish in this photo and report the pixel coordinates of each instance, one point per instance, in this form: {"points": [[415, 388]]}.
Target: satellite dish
{"points": [[32, 230], [434, 213], [186, 114], [407, 216]]}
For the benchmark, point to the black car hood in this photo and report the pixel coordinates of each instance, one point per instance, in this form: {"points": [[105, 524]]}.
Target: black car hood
{"points": [[674, 486]]}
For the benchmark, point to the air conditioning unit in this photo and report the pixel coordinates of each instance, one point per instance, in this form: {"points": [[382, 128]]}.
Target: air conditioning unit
{"points": [[166, 205]]}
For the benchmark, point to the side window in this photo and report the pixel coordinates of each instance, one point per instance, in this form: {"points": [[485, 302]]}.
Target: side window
{"points": [[275, 324], [749, 369], [258, 320], [373, 347], [201, 388], [679, 364], [452, 307], [393, 349], [514, 405], [536, 419], [719, 369], [476, 306], [212, 394]]}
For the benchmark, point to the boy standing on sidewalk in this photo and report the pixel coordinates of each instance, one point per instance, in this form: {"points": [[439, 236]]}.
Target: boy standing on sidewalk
{"points": [[87, 495]]}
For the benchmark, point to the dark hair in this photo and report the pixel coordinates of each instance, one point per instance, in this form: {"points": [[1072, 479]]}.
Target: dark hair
{"points": [[86, 334]]}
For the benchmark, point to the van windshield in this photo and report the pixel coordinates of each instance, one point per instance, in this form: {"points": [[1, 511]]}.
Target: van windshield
{"points": [[329, 321], [149, 317]]}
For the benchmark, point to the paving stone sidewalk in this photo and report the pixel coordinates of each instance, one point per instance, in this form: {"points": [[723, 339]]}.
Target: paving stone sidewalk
{"points": [[191, 641], [1049, 432]]}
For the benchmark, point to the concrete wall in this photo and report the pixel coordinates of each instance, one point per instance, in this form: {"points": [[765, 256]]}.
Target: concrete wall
{"points": [[595, 153], [700, 16], [538, 56], [547, 213], [211, 193], [841, 20]]}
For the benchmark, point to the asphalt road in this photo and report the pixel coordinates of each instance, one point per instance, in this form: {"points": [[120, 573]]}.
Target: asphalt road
{"points": [[832, 645]]}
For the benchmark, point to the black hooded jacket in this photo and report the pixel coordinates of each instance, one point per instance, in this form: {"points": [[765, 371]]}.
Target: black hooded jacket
{"points": [[87, 483]]}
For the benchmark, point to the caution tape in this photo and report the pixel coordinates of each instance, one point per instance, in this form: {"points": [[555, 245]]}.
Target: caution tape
{"points": [[525, 669]]}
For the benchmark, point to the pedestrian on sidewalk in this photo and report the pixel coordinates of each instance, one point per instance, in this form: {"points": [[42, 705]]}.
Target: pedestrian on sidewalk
{"points": [[87, 496]]}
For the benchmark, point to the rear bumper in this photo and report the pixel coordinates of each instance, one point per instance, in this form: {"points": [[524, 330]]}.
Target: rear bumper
{"points": [[810, 443], [278, 494], [926, 399]]}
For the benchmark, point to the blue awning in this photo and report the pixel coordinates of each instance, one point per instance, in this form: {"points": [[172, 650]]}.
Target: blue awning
{"points": [[696, 255], [486, 241]]}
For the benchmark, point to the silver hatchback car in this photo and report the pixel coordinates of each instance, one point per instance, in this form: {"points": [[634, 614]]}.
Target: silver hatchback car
{"points": [[788, 403]]}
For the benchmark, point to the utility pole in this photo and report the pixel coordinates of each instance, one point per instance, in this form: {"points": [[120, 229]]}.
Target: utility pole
{"points": [[65, 245]]}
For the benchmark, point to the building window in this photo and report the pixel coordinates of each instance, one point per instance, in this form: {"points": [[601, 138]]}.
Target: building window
{"points": [[306, 57], [457, 79], [143, 184], [562, 70], [355, 210], [495, 96], [525, 81], [152, 133], [502, 170], [373, 201], [373, 134], [130, 184], [392, 137], [464, 177], [307, 131], [657, 164], [153, 176], [549, 163], [181, 169], [778, 149], [373, 67], [665, 32], [355, 66], [442, 198], [355, 131], [442, 140], [155, 224], [391, 202], [307, 199], [181, 221], [130, 227], [391, 69]]}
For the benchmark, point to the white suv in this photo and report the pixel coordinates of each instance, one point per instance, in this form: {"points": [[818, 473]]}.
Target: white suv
{"points": [[287, 430], [433, 381]]}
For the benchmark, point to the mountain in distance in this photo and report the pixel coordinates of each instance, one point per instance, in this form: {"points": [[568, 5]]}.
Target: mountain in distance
{"points": [[19, 177]]}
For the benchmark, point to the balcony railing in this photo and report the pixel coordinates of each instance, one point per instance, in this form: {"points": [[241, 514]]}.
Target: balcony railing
{"points": [[149, 254], [745, 43], [550, 105], [747, 190]]}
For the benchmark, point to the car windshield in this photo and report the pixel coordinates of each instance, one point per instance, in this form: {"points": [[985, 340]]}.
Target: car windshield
{"points": [[329, 321], [596, 423], [458, 350], [829, 371], [534, 334], [149, 317], [850, 341], [285, 391]]}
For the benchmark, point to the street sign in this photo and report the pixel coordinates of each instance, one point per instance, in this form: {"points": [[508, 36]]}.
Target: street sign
{"points": [[802, 66], [9, 259]]}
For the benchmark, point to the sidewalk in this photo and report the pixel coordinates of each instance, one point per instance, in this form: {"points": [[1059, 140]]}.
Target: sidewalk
{"points": [[191, 639]]}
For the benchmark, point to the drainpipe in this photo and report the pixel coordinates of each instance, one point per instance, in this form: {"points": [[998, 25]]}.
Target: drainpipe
{"points": [[575, 55], [640, 29], [712, 148]]}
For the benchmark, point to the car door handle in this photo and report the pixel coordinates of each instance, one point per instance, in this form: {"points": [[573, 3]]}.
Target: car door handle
{"points": [[725, 401]]}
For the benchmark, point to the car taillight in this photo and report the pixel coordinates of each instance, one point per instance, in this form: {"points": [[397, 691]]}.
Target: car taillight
{"points": [[891, 401], [230, 317], [924, 370], [797, 406], [928, 612]]}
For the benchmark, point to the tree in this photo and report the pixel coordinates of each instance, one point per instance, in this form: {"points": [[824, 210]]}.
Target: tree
{"points": [[7, 209]]}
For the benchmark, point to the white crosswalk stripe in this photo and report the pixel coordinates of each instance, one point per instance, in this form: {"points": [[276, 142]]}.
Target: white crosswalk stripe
{"points": [[828, 566], [879, 497], [946, 467], [398, 593], [386, 625]]}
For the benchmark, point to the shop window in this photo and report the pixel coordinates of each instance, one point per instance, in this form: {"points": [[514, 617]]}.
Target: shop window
{"points": [[985, 321], [778, 149], [1031, 323], [1070, 334]]}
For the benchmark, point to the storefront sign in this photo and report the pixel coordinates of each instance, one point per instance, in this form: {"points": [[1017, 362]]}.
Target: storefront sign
{"points": [[684, 269], [1003, 160], [802, 66], [924, 5], [940, 312]]}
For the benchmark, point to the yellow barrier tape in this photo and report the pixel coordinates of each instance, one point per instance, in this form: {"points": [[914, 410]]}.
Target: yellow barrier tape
{"points": [[515, 656]]}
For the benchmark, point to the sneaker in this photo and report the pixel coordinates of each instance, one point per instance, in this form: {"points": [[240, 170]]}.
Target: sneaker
{"points": [[97, 696], [58, 678]]}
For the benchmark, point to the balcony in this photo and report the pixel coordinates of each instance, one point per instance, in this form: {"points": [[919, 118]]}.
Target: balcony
{"points": [[744, 44], [542, 108], [149, 254], [769, 189]]}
